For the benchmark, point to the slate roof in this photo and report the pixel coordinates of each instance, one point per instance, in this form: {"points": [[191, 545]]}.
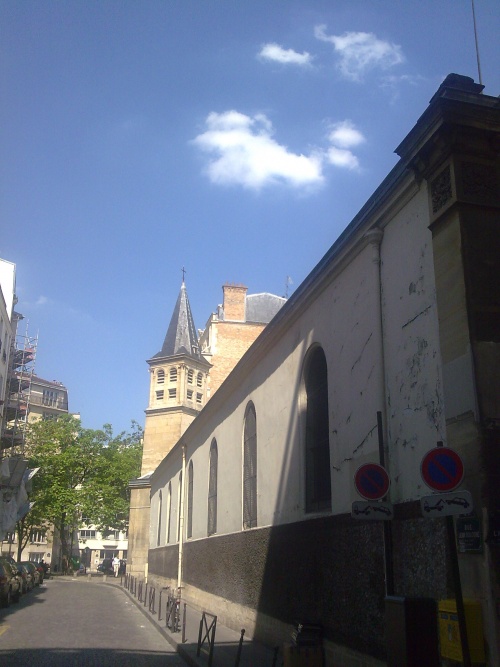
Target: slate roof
{"points": [[262, 307], [181, 335]]}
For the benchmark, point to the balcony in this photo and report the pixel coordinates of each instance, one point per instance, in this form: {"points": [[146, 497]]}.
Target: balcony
{"points": [[56, 404]]}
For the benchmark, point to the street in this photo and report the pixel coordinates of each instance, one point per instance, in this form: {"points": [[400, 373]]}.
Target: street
{"points": [[80, 623]]}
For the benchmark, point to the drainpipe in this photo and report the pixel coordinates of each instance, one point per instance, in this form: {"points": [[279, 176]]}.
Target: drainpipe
{"points": [[374, 237], [181, 520]]}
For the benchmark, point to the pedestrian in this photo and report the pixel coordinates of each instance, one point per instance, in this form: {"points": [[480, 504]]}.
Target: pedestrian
{"points": [[116, 565]]}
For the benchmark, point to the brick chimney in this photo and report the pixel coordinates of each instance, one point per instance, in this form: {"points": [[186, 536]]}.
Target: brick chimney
{"points": [[234, 302]]}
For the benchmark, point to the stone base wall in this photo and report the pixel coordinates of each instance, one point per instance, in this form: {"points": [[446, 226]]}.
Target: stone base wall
{"points": [[328, 570]]}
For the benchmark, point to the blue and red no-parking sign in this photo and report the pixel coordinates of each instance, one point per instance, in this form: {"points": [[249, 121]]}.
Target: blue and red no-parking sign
{"points": [[372, 481], [442, 469]]}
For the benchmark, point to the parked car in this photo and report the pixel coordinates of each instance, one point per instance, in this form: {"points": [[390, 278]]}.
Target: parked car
{"points": [[106, 567], [10, 582], [26, 580], [43, 570], [33, 572]]}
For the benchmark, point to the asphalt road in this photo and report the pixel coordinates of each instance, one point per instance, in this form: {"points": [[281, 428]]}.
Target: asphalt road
{"points": [[80, 624]]}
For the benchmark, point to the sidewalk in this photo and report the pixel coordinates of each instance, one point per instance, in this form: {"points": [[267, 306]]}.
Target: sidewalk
{"points": [[226, 644]]}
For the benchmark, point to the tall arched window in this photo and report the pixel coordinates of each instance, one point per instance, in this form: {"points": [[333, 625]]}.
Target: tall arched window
{"points": [[158, 535], [161, 376], [190, 501], [212, 489], [169, 509], [317, 442], [179, 508], [250, 468]]}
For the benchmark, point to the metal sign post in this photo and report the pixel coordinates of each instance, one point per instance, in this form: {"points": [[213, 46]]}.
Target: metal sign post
{"points": [[442, 470]]}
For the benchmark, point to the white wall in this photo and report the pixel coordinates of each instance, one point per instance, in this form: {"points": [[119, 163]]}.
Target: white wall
{"points": [[342, 316]]}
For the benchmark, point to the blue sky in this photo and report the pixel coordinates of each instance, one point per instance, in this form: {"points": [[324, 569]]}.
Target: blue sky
{"points": [[236, 139]]}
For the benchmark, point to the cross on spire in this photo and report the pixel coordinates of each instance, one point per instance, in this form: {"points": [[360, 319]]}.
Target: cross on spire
{"points": [[183, 273]]}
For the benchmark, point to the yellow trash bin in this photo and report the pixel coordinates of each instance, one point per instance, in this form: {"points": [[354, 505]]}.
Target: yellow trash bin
{"points": [[449, 632]]}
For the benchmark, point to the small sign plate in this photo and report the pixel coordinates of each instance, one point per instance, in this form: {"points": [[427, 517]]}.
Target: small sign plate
{"points": [[446, 504], [372, 511], [469, 536]]}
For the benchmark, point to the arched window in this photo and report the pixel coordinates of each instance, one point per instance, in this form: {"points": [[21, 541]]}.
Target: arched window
{"points": [[190, 501], [173, 374], [212, 489], [250, 468], [199, 380], [160, 378], [179, 508], [190, 376], [158, 535], [169, 509], [317, 442]]}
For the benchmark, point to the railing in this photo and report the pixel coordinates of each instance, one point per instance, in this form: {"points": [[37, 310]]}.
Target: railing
{"points": [[172, 618], [146, 595], [207, 632]]}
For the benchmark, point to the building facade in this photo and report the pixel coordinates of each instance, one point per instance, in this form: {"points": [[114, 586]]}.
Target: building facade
{"points": [[183, 376], [390, 346]]}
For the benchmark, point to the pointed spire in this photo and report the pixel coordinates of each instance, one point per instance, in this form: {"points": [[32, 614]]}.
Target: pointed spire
{"points": [[181, 333]]}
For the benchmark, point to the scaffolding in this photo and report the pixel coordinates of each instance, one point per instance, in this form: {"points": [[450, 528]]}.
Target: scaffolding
{"points": [[19, 383]]}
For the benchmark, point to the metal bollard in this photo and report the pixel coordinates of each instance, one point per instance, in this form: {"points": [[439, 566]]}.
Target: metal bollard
{"points": [[240, 646], [183, 640]]}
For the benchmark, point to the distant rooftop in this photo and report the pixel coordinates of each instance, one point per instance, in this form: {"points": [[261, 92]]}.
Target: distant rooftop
{"points": [[263, 307]]}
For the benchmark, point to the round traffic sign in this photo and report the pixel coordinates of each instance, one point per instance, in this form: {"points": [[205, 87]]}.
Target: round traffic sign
{"points": [[442, 469], [372, 481]]}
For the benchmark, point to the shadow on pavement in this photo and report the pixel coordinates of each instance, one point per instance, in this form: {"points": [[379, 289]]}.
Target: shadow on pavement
{"points": [[40, 657]]}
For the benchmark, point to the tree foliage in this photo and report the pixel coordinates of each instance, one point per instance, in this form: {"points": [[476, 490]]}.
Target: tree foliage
{"points": [[83, 473]]}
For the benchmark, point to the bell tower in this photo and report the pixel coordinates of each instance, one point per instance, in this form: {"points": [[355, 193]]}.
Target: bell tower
{"points": [[177, 392]]}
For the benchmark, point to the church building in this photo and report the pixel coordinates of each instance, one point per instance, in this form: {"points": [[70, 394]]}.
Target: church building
{"points": [[387, 350], [187, 370]]}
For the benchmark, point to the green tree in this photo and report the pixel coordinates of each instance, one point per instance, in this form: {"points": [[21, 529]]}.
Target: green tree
{"points": [[105, 498], [83, 472]]}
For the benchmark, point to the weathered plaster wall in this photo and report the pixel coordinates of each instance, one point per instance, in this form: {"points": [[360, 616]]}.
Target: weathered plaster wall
{"points": [[415, 407]]}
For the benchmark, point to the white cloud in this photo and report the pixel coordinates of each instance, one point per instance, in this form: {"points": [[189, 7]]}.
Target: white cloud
{"points": [[244, 153], [340, 157], [277, 53], [345, 135], [361, 51], [41, 301]]}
